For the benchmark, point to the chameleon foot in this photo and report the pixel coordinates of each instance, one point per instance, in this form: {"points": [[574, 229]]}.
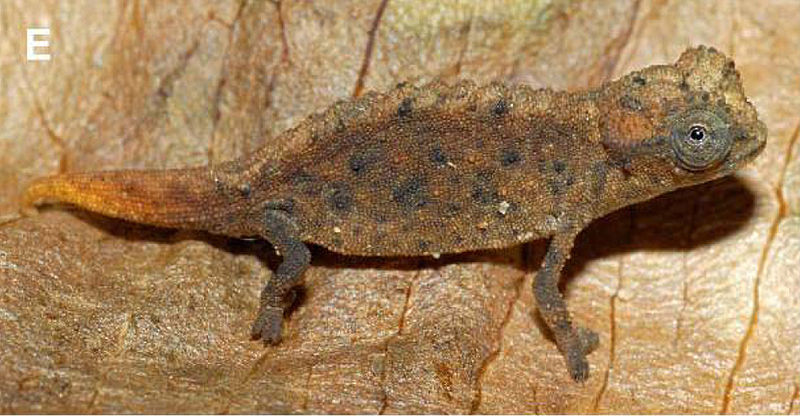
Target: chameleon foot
{"points": [[577, 365], [576, 357], [268, 324]]}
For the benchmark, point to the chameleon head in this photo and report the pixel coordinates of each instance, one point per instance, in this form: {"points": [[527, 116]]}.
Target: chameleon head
{"points": [[692, 118], [718, 130]]}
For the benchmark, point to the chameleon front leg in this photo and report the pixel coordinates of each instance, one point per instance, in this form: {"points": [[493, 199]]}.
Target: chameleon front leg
{"points": [[280, 230], [574, 343]]}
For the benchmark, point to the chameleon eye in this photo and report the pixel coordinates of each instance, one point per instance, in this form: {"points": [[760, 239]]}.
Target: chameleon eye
{"points": [[700, 139], [697, 133]]}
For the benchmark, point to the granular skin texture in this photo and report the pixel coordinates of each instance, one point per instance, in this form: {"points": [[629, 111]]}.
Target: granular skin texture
{"points": [[424, 170]]}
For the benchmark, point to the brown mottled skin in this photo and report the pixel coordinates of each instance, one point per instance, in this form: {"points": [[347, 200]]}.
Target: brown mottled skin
{"points": [[451, 168]]}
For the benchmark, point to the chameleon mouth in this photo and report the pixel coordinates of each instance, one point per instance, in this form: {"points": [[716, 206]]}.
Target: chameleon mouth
{"points": [[750, 154], [760, 145]]}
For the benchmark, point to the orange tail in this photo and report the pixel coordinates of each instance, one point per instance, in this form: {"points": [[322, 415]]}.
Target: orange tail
{"points": [[176, 198]]}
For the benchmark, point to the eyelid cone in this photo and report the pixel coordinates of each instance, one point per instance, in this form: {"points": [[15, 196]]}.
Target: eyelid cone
{"points": [[698, 155]]}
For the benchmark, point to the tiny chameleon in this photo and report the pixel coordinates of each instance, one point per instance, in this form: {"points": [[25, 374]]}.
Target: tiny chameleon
{"points": [[438, 168]]}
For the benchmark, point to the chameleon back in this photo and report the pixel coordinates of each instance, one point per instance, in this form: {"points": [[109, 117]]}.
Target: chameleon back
{"points": [[441, 169]]}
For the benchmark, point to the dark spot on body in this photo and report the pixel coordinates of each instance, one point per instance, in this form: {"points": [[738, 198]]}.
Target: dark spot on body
{"points": [[559, 166], [404, 110], [509, 157], [631, 103], [358, 163], [401, 85], [483, 190], [410, 193], [438, 157], [366, 157], [500, 107], [341, 198], [705, 96], [639, 80], [424, 245]]}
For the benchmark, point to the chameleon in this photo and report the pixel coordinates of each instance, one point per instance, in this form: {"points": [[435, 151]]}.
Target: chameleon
{"points": [[448, 168]]}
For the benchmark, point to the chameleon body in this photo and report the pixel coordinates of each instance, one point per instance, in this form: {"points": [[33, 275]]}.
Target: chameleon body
{"points": [[451, 168]]}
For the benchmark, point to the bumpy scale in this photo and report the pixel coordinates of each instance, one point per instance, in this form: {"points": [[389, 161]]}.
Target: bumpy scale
{"points": [[450, 168]]}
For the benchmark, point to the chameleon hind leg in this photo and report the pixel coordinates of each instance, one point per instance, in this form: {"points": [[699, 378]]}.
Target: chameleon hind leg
{"points": [[574, 343], [282, 232]]}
